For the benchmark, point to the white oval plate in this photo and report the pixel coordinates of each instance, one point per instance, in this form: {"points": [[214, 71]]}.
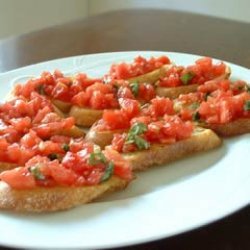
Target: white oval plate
{"points": [[161, 202]]}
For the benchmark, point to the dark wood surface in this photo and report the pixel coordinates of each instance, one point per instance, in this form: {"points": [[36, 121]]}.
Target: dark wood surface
{"points": [[147, 30]]}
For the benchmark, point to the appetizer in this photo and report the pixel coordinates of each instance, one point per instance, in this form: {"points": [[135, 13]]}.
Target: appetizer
{"points": [[118, 121], [82, 175], [149, 143], [222, 106], [182, 80]]}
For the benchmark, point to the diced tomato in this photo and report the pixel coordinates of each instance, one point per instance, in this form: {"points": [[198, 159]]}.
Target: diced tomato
{"points": [[58, 74], [61, 92], [41, 114], [96, 96], [30, 140], [140, 66], [48, 147], [122, 167], [21, 125], [18, 154], [159, 107], [146, 119], [81, 99], [186, 114], [172, 80], [125, 92], [18, 178], [213, 85], [118, 142], [62, 176], [115, 119], [46, 130], [130, 107], [146, 92]]}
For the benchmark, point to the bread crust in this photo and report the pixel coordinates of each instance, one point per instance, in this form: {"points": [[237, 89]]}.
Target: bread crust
{"points": [[7, 166], [61, 105], [174, 92], [102, 138], [41, 199], [237, 127], [201, 140], [151, 77], [85, 117]]}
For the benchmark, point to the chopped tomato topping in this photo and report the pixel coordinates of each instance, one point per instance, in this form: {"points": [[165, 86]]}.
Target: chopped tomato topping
{"points": [[139, 66], [224, 108], [18, 178], [203, 70], [168, 130], [97, 96], [159, 107], [85, 167]]}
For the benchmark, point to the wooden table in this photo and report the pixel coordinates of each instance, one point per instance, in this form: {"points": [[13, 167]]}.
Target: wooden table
{"points": [[147, 30]]}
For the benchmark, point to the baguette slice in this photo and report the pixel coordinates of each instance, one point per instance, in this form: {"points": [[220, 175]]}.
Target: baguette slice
{"points": [[52, 199], [201, 140], [85, 117], [174, 92], [74, 132], [151, 77], [61, 105], [236, 127], [102, 138], [6, 166]]}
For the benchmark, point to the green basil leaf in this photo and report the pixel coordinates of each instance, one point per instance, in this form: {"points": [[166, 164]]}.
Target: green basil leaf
{"points": [[141, 143], [248, 88], [35, 171], [196, 116], [194, 106], [186, 78], [247, 106], [65, 147], [97, 158], [40, 89], [53, 156], [206, 96], [135, 88], [108, 171], [138, 128]]}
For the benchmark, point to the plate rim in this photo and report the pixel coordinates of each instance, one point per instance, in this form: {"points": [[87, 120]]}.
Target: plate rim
{"points": [[140, 241]]}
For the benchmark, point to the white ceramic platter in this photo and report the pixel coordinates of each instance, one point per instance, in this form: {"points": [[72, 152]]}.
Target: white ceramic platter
{"points": [[161, 202]]}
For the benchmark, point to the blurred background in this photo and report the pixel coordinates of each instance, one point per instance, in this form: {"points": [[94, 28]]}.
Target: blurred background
{"points": [[22, 16]]}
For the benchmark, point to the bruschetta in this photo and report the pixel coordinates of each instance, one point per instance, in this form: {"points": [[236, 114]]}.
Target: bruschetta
{"points": [[57, 87], [43, 185], [32, 127], [183, 80], [149, 143], [140, 70], [222, 106], [118, 121]]}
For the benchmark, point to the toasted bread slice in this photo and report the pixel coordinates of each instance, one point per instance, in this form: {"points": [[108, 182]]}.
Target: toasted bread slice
{"points": [[85, 117], [61, 105], [201, 140], [151, 77], [43, 199], [236, 127], [102, 138], [174, 92], [74, 131], [6, 166]]}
